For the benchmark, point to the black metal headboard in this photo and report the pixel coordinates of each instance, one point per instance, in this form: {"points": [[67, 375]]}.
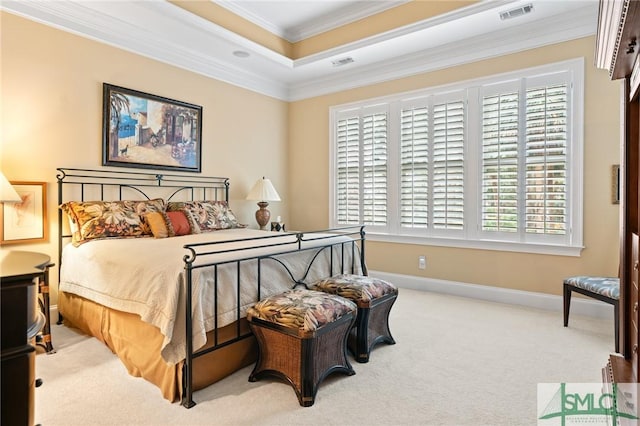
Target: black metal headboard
{"points": [[107, 185]]}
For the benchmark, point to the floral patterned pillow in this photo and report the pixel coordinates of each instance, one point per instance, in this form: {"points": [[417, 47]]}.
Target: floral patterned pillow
{"points": [[208, 215], [110, 219]]}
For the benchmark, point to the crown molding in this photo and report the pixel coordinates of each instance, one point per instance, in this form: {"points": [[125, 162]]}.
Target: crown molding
{"points": [[403, 31], [237, 8], [508, 41], [124, 31], [326, 22], [162, 31], [344, 16]]}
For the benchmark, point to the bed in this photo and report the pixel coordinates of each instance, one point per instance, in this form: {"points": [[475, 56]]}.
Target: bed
{"points": [[157, 267]]}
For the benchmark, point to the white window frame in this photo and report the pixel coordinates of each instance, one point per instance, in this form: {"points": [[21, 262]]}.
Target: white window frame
{"points": [[472, 236]]}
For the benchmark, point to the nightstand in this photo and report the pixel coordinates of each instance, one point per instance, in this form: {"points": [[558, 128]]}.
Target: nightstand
{"points": [[43, 339], [22, 273]]}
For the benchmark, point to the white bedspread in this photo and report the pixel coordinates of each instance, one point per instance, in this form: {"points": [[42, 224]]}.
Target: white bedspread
{"points": [[146, 276]]}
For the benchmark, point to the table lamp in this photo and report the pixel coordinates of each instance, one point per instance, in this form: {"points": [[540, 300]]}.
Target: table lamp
{"points": [[263, 192]]}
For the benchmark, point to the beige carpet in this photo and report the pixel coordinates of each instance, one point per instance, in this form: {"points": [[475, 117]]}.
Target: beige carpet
{"points": [[457, 361]]}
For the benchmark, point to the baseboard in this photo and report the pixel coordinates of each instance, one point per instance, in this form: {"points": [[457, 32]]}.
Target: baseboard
{"points": [[579, 306]]}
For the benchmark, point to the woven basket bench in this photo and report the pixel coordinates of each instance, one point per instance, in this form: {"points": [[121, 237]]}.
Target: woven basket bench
{"points": [[374, 298], [302, 338]]}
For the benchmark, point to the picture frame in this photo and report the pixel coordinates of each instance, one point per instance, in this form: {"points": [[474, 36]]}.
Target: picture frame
{"points": [[151, 132], [25, 221], [615, 184]]}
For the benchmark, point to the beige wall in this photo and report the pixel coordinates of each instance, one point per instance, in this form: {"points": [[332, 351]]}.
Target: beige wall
{"points": [[309, 180], [51, 97], [51, 93]]}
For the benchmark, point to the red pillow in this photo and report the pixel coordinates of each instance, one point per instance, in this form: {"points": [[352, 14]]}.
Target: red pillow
{"points": [[179, 223]]}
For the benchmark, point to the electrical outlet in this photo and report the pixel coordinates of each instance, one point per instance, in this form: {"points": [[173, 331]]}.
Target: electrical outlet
{"points": [[422, 262]]}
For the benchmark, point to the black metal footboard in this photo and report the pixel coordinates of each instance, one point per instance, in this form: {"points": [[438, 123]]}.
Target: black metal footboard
{"points": [[324, 253], [259, 266]]}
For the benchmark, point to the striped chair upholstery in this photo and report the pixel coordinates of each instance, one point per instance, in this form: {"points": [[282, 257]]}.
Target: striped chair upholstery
{"points": [[606, 289]]}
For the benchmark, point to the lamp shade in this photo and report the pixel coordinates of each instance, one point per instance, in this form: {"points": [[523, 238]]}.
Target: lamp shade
{"points": [[7, 193], [263, 190]]}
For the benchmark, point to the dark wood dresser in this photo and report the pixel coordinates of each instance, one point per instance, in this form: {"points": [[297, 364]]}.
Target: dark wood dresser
{"points": [[21, 273]]}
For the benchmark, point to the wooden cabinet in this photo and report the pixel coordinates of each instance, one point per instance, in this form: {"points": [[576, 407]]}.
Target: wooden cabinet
{"points": [[22, 272], [617, 49], [633, 302]]}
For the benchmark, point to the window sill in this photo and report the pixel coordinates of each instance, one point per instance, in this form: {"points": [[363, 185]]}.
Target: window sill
{"points": [[477, 244]]}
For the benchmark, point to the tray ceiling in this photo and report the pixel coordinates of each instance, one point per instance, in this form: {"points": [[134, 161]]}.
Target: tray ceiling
{"points": [[160, 30]]}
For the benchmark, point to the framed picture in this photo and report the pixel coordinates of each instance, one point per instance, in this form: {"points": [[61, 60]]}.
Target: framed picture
{"points": [[26, 220], [615, 184], [148, 131]]}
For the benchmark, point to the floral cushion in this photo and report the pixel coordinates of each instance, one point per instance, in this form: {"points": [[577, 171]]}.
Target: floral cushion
{"points": [[606, 286], [208, 215], [105, 219], [305, 310], [359, 288]]}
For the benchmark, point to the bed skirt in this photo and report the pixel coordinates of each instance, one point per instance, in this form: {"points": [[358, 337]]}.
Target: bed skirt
{"points": [[138, 344]]}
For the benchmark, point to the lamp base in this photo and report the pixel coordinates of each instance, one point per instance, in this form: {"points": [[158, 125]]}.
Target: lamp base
{"points": [[263, 215]]}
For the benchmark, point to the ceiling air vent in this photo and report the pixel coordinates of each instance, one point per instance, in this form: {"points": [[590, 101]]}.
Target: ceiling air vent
{"points": [[514, 13], [342, 61]]}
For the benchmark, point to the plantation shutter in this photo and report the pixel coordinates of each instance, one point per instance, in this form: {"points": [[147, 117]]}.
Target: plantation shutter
{"points": [[448, 165], [500, 162], [546, 160], [361, 169], [374, 165], [490, 163], [348, 171], [525, 159], [414, 167]]}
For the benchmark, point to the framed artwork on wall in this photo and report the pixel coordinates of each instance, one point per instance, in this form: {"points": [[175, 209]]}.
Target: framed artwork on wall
{"points": [[148, 131], [615, 184], [26, 220]]}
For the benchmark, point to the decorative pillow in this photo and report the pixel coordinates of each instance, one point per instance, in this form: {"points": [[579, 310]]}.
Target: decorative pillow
{"points": [[226, 218], [169, 224], [109, 219], [179, 222], [73, 222], [159, 224], [208, 215]]}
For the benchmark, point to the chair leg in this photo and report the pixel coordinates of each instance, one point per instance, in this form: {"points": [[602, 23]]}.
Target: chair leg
{"points": [[616, 325], [567, 303]]}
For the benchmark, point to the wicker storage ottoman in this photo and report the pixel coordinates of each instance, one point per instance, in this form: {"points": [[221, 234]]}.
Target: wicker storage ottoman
{"points": [[374, 298], [302, 336]]}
